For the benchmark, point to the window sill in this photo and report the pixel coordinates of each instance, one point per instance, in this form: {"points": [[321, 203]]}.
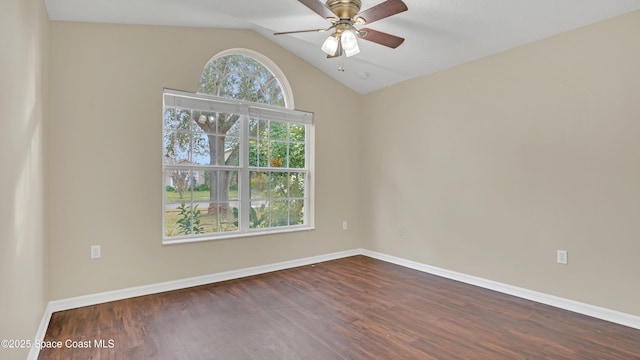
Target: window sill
{"points": [[236, 235]]}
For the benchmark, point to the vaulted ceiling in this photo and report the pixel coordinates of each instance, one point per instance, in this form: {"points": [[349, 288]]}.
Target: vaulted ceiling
{"points": [[439, 33]]}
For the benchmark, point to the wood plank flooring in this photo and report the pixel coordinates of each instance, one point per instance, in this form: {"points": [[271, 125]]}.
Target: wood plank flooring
{"points": [[352, 308]]}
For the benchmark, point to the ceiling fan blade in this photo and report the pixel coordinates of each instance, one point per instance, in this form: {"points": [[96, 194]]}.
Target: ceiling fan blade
{"points": [[299, 31], [381, 38], [319, 8], [382, 10]]}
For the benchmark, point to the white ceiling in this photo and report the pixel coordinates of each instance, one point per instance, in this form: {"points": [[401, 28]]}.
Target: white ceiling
{"points": [[439, 33]]}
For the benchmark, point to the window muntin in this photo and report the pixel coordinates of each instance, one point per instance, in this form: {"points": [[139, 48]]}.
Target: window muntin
{"points": [[233, 178]]}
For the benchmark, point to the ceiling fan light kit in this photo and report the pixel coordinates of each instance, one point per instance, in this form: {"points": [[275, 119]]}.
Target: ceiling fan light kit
{"points": [[344, 15], [349, 43], [330, 45]]}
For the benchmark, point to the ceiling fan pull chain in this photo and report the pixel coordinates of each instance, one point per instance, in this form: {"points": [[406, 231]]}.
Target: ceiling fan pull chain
{"points": [[341, 66]]}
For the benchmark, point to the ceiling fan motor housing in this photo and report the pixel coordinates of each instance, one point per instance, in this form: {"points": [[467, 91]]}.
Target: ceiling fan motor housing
{"points": [[344, 9]]}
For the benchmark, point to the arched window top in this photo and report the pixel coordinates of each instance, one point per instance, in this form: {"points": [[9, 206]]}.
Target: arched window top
{"points": [[246, 75]]}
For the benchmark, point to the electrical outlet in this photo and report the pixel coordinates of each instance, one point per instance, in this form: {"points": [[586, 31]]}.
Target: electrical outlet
{"points": [[562, 257], [345, 225], [95, 252]]}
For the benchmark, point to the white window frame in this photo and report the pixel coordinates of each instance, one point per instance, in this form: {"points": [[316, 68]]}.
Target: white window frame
{"points": [[247, 110]]}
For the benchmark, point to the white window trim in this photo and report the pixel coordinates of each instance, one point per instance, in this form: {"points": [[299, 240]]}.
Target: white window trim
{"points": [[177, 98]]}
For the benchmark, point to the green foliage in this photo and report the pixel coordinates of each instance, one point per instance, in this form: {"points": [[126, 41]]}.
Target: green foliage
{"points": [[201, 187], [234, 186], [255, 221], [189, 221], [194, 196], [259, 184], [169, 188]]}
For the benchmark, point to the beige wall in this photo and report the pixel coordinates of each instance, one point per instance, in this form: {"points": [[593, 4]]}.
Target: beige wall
{"points": [[508, 159], [23, 289], [104, 144], [489, 167]]}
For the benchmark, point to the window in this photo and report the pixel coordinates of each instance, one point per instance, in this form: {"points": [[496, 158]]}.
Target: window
{"points": [[236, 161]]}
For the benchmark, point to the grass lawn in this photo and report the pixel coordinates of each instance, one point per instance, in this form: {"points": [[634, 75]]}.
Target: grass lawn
{"points": [[208, 222], [171, 196], [197, 195]]}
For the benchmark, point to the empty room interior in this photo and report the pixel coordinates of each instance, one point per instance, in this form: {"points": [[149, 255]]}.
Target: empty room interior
{"points": [[466, 186]]}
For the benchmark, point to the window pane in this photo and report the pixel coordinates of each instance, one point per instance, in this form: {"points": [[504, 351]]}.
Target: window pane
{"points": [[170, 220], [278, 154], [178, 119], [226, 122], [220, 183], [179, 193], [263, 153], [253, 153], [177, 146], [279, 211], [259, 185], [278, 130], [221, 217], [256, 128], [199, 221], [279, 185], [209, 216], [200, 182], [228, 219], [234, 130], [258, 214], [297, 133], [296, 185], [177, 185], [221, 201], [182, 219], [296, 212], [231, 151], [205, 121], [202, 146], [296, 156]]}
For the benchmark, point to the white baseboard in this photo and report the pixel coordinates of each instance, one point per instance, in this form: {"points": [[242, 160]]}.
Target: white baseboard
{"points": [[99, 298], [42, 331], [86, 300], [93, 299], [555, 301]]}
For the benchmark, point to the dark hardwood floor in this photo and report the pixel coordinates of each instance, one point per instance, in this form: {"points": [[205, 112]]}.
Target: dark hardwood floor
{"points": [[353, 308]]}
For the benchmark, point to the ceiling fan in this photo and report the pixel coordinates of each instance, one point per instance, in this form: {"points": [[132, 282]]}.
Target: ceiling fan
{"points": [[344, 16]]}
